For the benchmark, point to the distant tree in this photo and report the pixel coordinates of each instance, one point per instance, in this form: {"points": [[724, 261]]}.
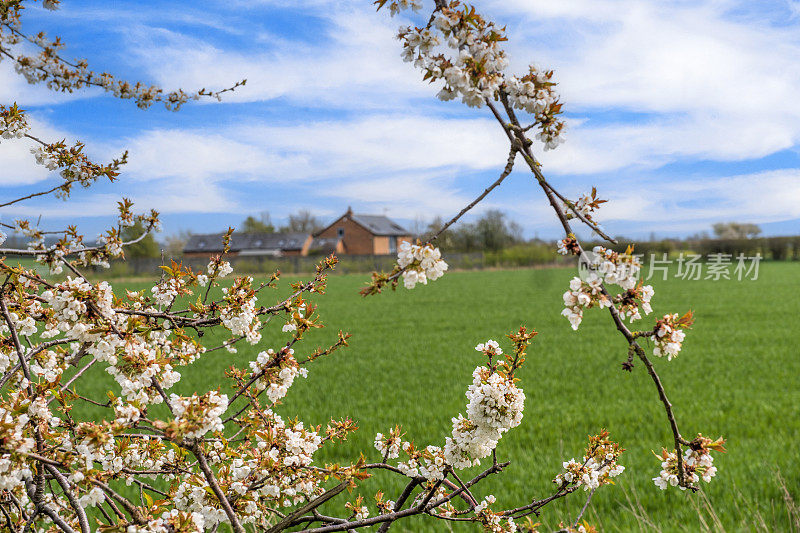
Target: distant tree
{"points": [[147, 247], [515, 230], [174, 244], [419, 227], [445, 240], [262, 224], [495, 232], [700, 236], [735, 230], [492, 231], [465, 238], [302, 222]]}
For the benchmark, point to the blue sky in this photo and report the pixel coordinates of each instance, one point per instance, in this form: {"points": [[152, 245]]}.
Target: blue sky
{"points": [[682, 113]]}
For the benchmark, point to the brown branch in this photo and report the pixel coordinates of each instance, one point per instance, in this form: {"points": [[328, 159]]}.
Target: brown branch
{"points": [[16, 251], [313, 504], [136, 515], [61, 480], [535, 167], [506, 171], [215, 488]]}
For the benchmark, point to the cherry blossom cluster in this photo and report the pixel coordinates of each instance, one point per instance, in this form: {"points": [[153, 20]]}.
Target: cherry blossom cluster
{"points": [[493, 522], [74, 165], [495, 405], [197, 415], [606, 267], [358, 511], [173, 521], [568, 246], [276, 372], [598, 466], [631, 302], [239, 311], [420, 263], [697, 464], [297, 318], [166, 291], [535, 93], [668, 334], [13, 124], [389, 446], [219, 269], [584, 206], [474, 68], [615, 268], [583, 295]]}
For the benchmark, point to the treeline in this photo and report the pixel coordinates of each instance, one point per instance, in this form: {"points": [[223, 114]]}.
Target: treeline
{"points": [[492, 232], [303, 221], [501, 240], [775, 248]]}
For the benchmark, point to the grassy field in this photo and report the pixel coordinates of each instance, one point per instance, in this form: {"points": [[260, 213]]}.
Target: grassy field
{"points": [[411, 358]]}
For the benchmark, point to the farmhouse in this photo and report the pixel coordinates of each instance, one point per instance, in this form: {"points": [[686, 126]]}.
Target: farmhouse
{"points": [[365, 234], [259, 244], [350, 234]]}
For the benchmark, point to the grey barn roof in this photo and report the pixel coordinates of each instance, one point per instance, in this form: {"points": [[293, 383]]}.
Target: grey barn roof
{"points": [[263, 242], [379, 224], [322, 245]]}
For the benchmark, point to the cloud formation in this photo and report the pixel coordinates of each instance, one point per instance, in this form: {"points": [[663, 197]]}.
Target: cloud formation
{"points": [[332, 116]]}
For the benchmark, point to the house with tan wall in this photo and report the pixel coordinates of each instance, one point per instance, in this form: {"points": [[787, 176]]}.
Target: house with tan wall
{"points": [[365, 234], [350, 234]]}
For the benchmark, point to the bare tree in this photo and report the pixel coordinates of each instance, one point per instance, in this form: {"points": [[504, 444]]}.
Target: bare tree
{"points": [[303, 221], [735, 230]]}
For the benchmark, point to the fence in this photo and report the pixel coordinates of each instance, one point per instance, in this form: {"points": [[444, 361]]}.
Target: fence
{"points": [[289, 264], [523, 255], [771, 248]]}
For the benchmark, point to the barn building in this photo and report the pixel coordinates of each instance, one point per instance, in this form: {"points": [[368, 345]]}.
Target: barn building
{"points": [[350, 234], [250, 244]]}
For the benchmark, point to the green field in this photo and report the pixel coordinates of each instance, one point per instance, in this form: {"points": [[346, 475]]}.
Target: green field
{"points": [[411, 358]]}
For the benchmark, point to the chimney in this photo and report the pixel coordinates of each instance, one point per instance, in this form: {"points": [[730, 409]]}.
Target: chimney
{"points": [[349, 212]]}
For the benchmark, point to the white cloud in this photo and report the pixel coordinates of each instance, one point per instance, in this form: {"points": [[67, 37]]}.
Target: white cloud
{"points": [[713, 86], [355, 63], [405, 195], [681, 81], [594, 148], [16, 161], [360, 148], [190, 155], [382, 144], [659, 204]]}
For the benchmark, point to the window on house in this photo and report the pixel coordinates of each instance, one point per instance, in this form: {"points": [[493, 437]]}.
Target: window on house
{"points": [[392, 245], [340, 232]]}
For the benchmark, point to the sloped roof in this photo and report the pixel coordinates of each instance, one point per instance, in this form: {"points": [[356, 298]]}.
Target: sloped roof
{"points": [[266, 242], [323, 245], [379, 224]]}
